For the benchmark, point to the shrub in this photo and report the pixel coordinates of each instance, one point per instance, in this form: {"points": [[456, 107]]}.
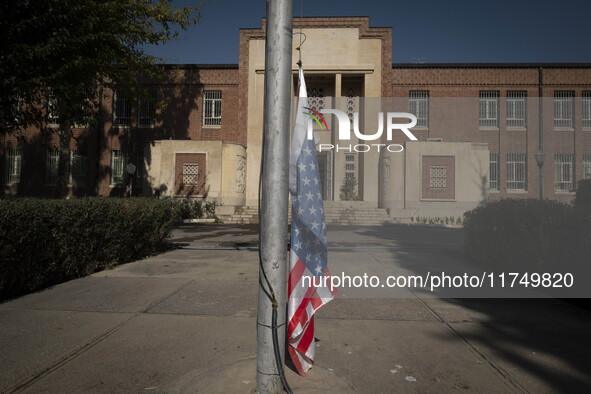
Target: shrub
{"points": [[348, 189], [527, 235], [198, 209], [45, 242]]}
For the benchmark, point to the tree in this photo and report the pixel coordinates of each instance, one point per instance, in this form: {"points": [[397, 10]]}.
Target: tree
{"points": [[63, 51]]}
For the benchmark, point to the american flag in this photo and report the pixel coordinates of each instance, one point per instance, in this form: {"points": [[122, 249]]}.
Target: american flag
{"points": [[308, 254]]}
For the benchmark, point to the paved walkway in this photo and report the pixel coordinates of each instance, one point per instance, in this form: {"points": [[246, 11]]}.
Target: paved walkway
{"points": [[185, 321]]}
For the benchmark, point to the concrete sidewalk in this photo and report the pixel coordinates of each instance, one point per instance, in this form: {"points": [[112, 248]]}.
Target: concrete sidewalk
{"points": [[185, 321]]}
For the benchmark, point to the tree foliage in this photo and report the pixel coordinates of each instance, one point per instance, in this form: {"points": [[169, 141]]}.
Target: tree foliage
{"points": [[67, 48]]}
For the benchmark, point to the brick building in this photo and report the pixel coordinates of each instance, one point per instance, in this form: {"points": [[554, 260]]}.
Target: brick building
{"points": [[478, 129]]}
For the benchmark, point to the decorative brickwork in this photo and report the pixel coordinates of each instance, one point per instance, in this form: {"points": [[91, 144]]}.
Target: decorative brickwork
{"points": [[190, 174], [438, 178]]}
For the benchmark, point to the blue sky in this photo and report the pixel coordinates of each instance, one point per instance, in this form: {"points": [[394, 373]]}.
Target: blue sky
{"points": [[426, 31]]}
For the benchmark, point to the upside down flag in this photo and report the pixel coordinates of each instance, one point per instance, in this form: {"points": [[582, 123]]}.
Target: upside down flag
{"points": [[308, 273]]}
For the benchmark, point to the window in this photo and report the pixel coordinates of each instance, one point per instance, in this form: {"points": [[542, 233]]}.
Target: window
{"points": [[212, 108], [13, 166], [117, 167], [53, 117], [516, 171], [563, 108], [587, 166], [121, 110], [78, 168], [349, 166], [563, 172], [587, 108], [437, 177], [16, 103], [494, 171], [489, 108], [419, 106], [316, 98], [51, 166], [516, 108], [145, 110], [190, 174]]}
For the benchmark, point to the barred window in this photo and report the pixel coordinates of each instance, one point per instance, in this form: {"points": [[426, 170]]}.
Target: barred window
{"points": [[349, 166], [212, 108], [587, 108], [145, 110], [17, 103], [190, 174], [51, 166], [121, 110], [587, 166], [489, 108], [12, 168], [419, 106], [516, 108], [563, 108], [516, 171], [117, 167], [78, 168], [53, 117], [563, 172], [494, 171], [437, 177]]}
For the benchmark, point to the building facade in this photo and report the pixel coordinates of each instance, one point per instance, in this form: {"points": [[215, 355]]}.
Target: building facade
{"points": [[478, 129]]}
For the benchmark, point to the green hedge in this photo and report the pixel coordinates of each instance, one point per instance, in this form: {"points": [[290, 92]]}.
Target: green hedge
{"points": [[45, 242], [527, 235]]}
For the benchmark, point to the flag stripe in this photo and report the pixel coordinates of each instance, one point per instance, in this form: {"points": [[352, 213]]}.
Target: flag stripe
{"points": [[308, 255]]}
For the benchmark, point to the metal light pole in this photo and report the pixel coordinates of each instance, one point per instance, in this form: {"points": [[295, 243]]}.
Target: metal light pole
{"points": [[274, 192]]}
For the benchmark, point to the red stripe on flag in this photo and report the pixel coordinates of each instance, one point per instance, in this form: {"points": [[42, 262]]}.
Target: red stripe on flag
{"points": [[301, 314], [296, 359], [295, 275], [307, 337]]}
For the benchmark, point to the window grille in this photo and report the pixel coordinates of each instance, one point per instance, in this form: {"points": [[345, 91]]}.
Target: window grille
{"points": [[121, 110], [419, 106], [563, 108], [516, 108], [145, 110], [78, 168], [587, 166], [190, 174], [587, 108], [117, 167], [563, 172], [316, 99], [349, 166], [489, 108], [17, 103], [52, 111], [516, 171], [494, 171], [212, 108], [51, 166], [12, 170], [437, 177]]}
